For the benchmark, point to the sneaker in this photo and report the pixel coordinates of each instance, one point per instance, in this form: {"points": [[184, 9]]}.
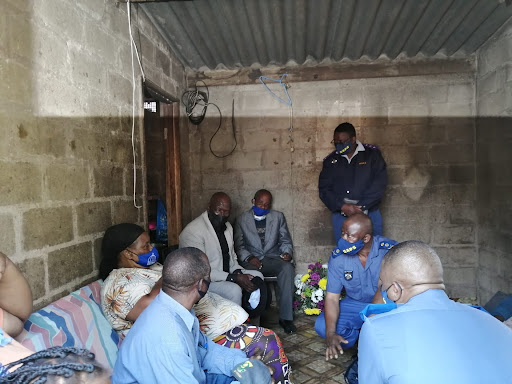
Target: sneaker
{"points": [[287, 326]]}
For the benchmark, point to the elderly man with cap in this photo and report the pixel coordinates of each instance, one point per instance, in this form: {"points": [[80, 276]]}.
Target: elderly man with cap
{"points": [[355, 266], [421, 336], [165, 345]]}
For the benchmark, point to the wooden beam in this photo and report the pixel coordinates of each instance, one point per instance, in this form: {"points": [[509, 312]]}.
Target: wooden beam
{"points": [[336, 71]]}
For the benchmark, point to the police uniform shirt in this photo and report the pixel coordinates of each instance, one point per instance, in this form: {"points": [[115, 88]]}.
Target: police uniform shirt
{"points": [[347, 271], [363, 178], [432, 339]]}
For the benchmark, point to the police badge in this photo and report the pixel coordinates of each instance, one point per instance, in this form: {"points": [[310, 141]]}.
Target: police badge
{"points": [[348, 275]]}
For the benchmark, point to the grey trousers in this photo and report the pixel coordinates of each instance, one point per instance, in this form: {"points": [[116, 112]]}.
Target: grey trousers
{"points": [[229, 290], [285, 272]]}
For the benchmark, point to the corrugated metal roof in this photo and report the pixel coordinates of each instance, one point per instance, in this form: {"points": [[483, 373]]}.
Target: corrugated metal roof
{"points": [[242, 33]]}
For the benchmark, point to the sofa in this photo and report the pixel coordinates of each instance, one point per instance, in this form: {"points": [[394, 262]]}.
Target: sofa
{"points": [[77, 320]]}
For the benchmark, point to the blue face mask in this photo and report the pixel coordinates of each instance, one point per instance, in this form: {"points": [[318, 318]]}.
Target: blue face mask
{"points": [[385, 297], [148, 259], [350, 248], [260, 211], [385, 294], [345, 148]]}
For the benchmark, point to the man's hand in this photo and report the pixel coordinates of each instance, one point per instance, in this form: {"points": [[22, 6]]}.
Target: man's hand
{"points": [[259, 356], [254, 261], [286, 256], [334, 346], [351, 209], [244, 281]]}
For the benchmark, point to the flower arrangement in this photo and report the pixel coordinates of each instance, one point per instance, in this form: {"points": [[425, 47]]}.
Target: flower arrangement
{"points": [[309, 296]]}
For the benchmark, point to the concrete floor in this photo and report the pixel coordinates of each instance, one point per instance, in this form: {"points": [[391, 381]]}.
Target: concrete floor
{"points": [[306, 351]]}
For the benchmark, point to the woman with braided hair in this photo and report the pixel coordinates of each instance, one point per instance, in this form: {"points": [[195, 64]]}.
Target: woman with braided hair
{"points": [[56, 365]]}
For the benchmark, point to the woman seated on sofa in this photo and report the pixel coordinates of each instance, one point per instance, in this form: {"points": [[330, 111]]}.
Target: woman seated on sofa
{"points": [[132, 279]]}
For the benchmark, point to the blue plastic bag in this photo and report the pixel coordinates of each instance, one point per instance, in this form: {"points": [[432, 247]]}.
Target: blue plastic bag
{"points": [[161, 223]]}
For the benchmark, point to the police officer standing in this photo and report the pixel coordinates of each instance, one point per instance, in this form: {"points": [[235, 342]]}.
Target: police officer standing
{"points": [[355, 266], [353, 179]]}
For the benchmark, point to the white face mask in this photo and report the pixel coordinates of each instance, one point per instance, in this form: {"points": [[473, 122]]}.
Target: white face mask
{"points": [[259, 218]]}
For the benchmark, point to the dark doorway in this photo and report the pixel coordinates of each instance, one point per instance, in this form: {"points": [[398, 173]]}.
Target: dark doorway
{"points": [[161, 132]]}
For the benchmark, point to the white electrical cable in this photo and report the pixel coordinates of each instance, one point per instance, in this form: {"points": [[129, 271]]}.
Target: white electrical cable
{"points": [[132, 42], [132, 45]]}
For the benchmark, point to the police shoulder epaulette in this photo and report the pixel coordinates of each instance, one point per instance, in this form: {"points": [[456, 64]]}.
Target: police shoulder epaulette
{"points": [[330, 154], [335, 253], [371, 146], [387, 244]]}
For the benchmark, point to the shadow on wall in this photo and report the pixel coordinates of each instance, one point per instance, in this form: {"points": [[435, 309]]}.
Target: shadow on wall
{"points": [[494, 205]]}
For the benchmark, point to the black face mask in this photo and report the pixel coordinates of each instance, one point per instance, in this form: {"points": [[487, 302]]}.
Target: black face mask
{"points": [[202, 293], [218, 222]]}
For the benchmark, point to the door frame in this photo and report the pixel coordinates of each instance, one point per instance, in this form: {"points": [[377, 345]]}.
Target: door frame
{"points": [[170, 113]]}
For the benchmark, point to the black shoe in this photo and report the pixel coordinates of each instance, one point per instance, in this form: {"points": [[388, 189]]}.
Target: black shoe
{"points": [[288, 326]]}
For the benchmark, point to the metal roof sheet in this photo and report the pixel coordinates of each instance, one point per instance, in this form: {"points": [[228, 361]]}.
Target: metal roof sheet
{"points": [[216, 34]]}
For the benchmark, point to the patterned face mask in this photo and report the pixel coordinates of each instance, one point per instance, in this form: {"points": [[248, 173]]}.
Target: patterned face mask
{"points": [[344, 148], [148, 259], [348, 248]]}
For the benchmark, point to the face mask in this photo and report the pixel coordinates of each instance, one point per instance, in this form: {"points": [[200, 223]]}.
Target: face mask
{"points": [[260, 211], [148, 259], [216, 220], [202, 293], [343, 149], [350, 248], [385, 297]]}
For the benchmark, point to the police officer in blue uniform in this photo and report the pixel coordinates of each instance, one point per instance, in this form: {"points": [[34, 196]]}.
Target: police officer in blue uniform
{"points": [[353, 179], [355, 266]]}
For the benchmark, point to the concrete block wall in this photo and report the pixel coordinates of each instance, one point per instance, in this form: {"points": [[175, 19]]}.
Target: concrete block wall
{"points": [[424, 126], [493, 156], [66, 169]]}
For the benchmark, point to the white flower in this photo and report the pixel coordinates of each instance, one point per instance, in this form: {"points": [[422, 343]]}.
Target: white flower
{"points": [[317, 295], [298, 283]]}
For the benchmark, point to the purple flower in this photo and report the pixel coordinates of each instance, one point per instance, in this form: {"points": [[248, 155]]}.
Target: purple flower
{"points": [[320, 305], [296, 304], [311, 266], [315, 277], [318, 265]]}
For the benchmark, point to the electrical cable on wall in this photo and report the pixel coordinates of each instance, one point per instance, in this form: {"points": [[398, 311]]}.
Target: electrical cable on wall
{"points": [[282, 81], [196, 104], [287, 102], [132, 46]]}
